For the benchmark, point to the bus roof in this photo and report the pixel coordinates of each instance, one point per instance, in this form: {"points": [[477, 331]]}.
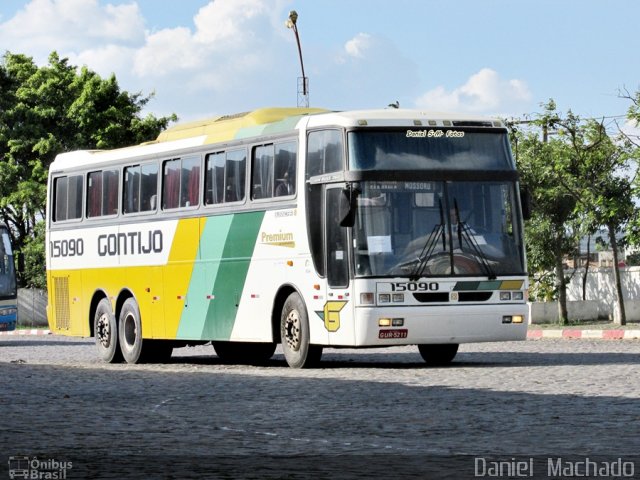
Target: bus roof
{"points": [[402, 118], [265, 121]]}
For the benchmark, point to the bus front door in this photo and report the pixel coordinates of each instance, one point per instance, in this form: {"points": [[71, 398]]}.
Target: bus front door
{"points": [[337, 268]]}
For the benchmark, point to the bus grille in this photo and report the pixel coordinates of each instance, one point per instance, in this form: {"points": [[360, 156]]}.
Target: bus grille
{"points": [[61, 285]]}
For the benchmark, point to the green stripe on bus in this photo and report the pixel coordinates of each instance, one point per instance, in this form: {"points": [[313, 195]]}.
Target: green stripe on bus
{"points": [[212, 241], [231, 273]]}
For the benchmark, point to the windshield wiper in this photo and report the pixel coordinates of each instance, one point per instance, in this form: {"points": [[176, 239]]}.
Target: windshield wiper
{"points": [[429, 246], [465, 233]]}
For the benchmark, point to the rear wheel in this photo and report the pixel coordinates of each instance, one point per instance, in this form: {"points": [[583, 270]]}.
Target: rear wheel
{"points": [[438, 354], [294, 331], [130, 333], [244, 352], [105, 329]]}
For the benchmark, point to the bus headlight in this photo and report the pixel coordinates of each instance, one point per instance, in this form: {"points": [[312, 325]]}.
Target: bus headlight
{"points": [[517, 295], [384, 298], [398, 297]]}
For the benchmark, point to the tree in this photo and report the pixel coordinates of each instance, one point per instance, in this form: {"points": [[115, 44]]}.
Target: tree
{"points": [[548, 236], [47, 110], [595, 178], [581, 185], [633, 115]]}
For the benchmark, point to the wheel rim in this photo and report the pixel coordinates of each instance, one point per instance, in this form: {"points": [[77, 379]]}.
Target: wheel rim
{"points": [[104, 330], [292, 330], [130, 331]]}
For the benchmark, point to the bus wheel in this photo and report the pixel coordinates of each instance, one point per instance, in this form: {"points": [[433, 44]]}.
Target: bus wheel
{"points": [[294, 331], [105, 329], [438, 354], [248, 353], [130, 333]]}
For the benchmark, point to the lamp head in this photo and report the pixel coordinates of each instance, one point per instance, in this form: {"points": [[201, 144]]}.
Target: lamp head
{"points": [[293, 18]]}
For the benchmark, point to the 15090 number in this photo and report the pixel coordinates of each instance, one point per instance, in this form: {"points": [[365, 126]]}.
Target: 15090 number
{"points": [[415, 287], [66, 248]]}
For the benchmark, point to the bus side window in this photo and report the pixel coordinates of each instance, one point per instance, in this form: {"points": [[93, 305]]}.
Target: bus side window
{"points": [[102, 193], [190, 182], [181, 183], [285, 168], [262, 172], [140, 188], [67, 198], [235, 175], [171, 184], [148, 187], [324, 152], [214, 178], [131, 193], [61, 199]]}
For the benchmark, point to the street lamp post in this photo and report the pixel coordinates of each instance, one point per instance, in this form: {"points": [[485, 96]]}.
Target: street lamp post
{"points": [[303, 83]]}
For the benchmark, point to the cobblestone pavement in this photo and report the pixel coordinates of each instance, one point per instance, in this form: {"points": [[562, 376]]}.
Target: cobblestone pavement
{"points": [[361, 407]]}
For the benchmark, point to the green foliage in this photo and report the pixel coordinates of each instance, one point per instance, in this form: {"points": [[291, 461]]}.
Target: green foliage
{"points": [[547, 234], [580, 178], [34, 258], [47, 110]]}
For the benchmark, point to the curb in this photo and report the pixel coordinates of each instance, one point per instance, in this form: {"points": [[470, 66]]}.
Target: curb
{"points": [[33, 331], [573, 333]]}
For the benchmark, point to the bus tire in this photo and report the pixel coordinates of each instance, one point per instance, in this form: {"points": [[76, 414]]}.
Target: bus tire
{"points": [[247, 353], [295, 335], [130, 332], [438, 354], [105, 329]]}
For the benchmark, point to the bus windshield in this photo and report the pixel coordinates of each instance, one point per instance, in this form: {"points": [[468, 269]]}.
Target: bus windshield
{"points": [[429, 228], [7, 272]]}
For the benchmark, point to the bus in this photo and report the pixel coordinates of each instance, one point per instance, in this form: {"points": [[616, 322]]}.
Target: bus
{"points": [[307, 228], [8, 291]]}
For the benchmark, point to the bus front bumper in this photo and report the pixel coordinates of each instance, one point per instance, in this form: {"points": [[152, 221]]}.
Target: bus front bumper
{"points": [[440, 324]]}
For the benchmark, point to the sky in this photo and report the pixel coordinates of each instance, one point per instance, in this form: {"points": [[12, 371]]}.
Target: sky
{"points": [[203, 58]]}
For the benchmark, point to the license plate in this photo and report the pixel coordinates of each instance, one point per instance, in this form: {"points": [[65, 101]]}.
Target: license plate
{"points": [[400, 333]]}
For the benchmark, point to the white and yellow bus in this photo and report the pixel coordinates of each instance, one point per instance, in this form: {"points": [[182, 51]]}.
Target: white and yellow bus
{"points": [[303, 227]]}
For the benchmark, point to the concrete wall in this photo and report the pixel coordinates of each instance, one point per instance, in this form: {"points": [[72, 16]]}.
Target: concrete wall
{"points": [[32, 307], [600, 297]]}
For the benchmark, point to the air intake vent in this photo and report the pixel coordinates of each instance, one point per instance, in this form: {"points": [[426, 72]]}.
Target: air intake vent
{"points": [[435, 297], [474, 296], [63, 315]]}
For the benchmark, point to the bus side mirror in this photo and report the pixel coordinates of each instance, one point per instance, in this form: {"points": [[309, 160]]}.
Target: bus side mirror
{"points": [[347, 208], [525, 201]]}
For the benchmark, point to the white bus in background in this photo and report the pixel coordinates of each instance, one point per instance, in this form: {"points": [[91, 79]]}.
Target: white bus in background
{"points": [[301, 227]]}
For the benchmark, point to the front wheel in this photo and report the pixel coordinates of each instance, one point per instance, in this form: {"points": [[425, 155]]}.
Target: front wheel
{"points": [[438, 354], [295, 335]]}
